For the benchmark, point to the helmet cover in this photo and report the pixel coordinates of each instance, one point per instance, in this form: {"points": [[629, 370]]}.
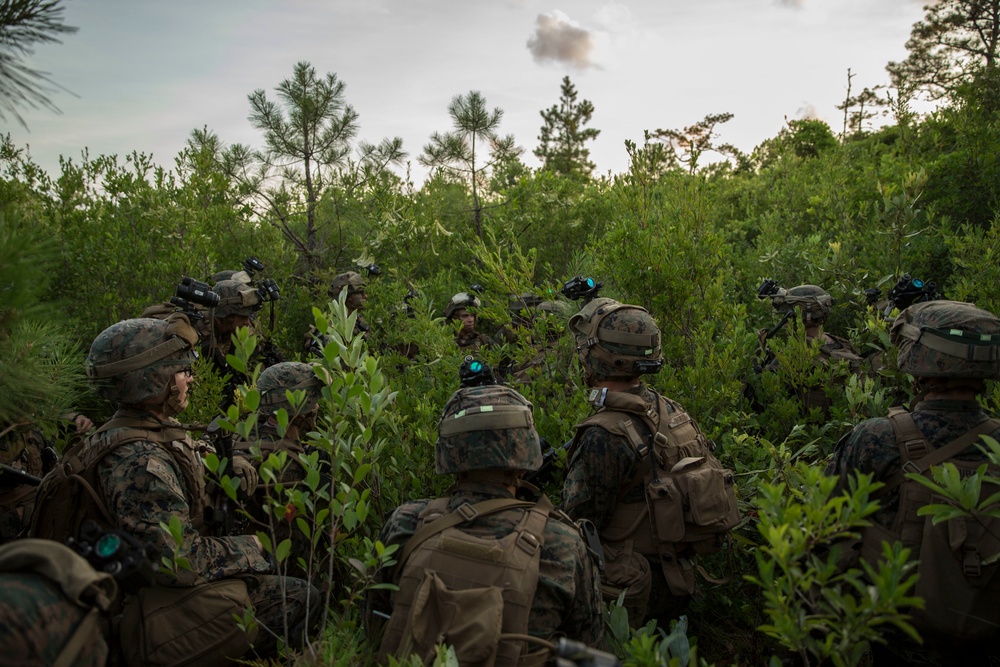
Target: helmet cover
{"points": [[616, 341], [813, 302], [135, 360], [236, 298], [947, 339], [353, 281], [489, 427], [276, 380], [459, 301]]}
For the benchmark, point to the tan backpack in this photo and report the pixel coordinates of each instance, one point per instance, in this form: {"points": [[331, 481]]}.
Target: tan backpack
{"points": [[958, 558], [472, 593], [690, 507]]}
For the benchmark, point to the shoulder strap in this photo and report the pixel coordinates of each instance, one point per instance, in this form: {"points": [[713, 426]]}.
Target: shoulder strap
{"points": [[935, 457], [462, 514], [83, 635]]}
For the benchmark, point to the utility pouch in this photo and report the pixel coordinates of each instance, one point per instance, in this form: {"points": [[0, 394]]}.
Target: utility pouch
{"points": [[666, 505]]}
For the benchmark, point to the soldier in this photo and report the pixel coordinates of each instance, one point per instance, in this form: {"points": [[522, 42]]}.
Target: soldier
{"points": [[274, 383], [480, 566], [641, 444], [949, 348], [813, 305], [25, 449], [463, 307], [139, 472], [355, 285]]}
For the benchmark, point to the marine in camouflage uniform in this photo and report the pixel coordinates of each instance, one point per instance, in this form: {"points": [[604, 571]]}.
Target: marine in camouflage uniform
{"points": [[23, 448], [814, 305], [948, 374], [463, 308], [488, 459], [356, 288], [273, 384], [604, 469], [144, 365]]}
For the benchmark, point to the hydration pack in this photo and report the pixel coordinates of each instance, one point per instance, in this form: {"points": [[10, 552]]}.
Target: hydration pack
{"points": [[690, 506]]}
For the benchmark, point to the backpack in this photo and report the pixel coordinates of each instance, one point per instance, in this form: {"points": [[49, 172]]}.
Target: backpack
{"points": [[68, 494], [690, 507], [960, 590], [469, 592]]}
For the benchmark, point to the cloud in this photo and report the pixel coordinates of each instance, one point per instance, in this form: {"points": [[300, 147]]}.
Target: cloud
{"points": [[806, 112], [557, 39]]}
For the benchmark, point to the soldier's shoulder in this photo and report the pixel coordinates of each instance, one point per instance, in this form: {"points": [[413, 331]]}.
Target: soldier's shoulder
{"points": [[402, 521]]}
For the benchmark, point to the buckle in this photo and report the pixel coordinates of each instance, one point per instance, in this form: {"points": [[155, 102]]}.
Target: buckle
{"points": [[972, 563], [528, 543], [467, 511], [911, 466]]}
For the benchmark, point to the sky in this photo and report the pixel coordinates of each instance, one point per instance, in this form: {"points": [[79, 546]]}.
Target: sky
{"points": [[140, 75]]}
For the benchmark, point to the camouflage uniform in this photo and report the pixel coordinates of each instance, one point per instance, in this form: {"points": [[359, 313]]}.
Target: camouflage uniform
{"points": [[813, 304], [143, 485], [355, 284], [36, 621], [23, 448], [471, 342], [273, 383], [949, 348], [52, 600], [568, 599], [601, 467], [871, 447], [146, 482], [488, 439]]}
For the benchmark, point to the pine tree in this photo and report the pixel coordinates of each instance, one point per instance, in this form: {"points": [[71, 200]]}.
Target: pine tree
{"points": [[955, 40], [563, 138], [460, 151]]}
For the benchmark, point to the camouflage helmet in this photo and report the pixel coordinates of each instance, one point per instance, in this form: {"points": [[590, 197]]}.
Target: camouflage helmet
{"points": [[236, 298], [616, 341], [947, 339], [275, 380], [459, 301], [490, 427], [135, 360], [353, 281], [814, 303], [239, 276]]}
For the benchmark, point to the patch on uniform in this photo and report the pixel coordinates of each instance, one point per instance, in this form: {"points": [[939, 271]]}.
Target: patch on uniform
{"points": [[161, 471]]}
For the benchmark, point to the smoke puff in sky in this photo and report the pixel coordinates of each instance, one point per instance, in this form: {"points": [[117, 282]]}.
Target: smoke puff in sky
{"points": [[556, 39]]}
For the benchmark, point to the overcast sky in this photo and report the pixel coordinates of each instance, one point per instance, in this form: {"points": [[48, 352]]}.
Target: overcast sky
{"points": [[146, 73]]}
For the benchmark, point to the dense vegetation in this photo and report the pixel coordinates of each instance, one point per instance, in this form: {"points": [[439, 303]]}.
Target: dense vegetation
{"points": [[686, 238]]}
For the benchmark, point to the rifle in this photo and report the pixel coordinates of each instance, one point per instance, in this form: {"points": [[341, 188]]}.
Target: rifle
{"points": [[223, 517], [10, 476]]}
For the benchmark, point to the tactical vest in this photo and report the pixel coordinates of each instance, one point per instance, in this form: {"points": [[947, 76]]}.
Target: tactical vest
{"points": [[690, 505], [70, 494], [469, 592], [957, 558]]}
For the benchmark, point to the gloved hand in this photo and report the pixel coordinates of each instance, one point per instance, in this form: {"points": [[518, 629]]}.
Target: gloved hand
{"points": [[244, 470]]}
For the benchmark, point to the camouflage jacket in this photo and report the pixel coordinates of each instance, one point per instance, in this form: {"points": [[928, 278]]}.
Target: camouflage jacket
{"points": [[23, 448], [568, 598], [143, 486], [871, 447], [470, 342], [601, 465]]}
